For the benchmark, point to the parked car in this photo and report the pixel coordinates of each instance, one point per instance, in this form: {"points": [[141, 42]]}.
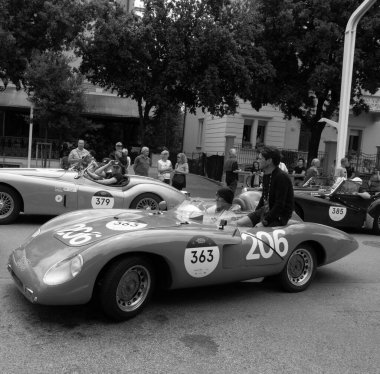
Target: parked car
{"points": [[339, 206], [120, 256], [57, 191]]}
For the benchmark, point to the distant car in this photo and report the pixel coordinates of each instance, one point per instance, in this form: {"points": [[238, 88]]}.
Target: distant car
{"points": [[57, 191], [120, 256], [339, 207]]}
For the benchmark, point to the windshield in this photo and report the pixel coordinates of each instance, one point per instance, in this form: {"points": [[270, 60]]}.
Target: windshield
{"points": [[204, 211]]}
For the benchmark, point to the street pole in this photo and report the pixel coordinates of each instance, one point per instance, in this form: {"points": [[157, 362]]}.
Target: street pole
{"points": [[348, 62], [30, 135]]}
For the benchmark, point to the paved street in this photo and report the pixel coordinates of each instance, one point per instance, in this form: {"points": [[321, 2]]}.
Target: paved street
{"points": [[245, 327]]}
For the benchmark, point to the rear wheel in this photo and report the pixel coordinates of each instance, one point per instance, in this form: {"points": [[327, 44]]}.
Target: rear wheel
{"points": [[146, 201], [127, 287], [376, 223], [10, 205], [300, 269]]}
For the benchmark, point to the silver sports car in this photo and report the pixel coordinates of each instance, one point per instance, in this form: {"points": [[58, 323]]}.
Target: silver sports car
{"points": [[57, 191]]}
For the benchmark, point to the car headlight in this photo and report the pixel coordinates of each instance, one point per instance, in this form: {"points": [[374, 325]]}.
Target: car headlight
{"points": [[63, 271]]}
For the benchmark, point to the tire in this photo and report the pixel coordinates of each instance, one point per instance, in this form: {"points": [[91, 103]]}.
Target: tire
{"points": [[10, 205], [126, 288], [146, 201], [376, 223], [299, 270]]}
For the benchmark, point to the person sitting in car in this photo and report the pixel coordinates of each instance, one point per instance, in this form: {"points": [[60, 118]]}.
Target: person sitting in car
{"points": [[361, 192], [112, 171]]}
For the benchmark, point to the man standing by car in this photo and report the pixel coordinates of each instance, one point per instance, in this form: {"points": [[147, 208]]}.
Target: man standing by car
{"points": [[277, 200], [231, 169], [142, 163], [77, 154]]}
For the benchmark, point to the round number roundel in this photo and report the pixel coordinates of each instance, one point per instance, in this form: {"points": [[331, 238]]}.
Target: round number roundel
{"points": [[337, 213], [201, 256], [102, 199]]}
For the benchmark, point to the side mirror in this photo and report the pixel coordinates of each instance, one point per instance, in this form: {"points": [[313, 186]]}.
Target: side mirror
{"points": [[163, 205]]}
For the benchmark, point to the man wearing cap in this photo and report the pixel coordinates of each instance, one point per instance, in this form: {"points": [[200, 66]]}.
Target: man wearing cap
{"points": [[362, 192], [142, 163], [120, 154]]}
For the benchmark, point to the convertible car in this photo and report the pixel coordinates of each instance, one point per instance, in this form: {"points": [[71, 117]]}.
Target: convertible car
{"points": [[57, 191], [120, 256], [339, 206]]}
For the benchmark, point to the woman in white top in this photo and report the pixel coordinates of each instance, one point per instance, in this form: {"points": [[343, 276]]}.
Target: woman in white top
{"points": [[164, 167], [180, 171]]}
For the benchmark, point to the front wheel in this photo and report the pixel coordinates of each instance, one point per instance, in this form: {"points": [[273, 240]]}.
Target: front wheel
{"points": [[376, 223], [127, 288], [146, 201], [10, 205], [299, 270]]}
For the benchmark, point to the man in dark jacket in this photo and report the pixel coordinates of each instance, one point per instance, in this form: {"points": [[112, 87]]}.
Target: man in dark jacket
{"points": [[277, 200]]}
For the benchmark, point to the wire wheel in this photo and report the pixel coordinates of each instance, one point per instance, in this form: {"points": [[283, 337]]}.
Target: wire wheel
{"points": [[133, 288], [146, 201], [9, 205]]}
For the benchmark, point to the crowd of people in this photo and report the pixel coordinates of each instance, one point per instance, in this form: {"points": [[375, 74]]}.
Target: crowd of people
{"points": [[114, 169]]}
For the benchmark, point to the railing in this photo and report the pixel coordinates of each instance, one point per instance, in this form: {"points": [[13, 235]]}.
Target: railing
{"points": [[18, 146]]}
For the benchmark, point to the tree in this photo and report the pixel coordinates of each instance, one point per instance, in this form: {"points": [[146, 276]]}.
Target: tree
{"points": [[179, 52], [41, 25], [56, 91], [304, 41]]}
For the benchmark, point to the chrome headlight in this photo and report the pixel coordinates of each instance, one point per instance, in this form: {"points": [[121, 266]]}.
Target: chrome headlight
{"points": [[63, 271]]}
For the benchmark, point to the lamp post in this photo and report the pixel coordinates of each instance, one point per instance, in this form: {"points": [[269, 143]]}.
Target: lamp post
{"points": [[348, 61], [30, 134]]}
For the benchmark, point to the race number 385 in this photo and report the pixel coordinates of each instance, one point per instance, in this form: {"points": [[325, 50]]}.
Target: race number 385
{"points": [[337, 213], [263, 242]]}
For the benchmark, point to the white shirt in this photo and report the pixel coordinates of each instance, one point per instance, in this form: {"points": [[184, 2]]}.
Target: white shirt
{"points": [[162, 165]]}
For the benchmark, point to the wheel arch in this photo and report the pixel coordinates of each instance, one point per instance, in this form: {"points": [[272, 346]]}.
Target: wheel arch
{"points": [[319, 250], [17, 192], [160, 198], [160, 265]]}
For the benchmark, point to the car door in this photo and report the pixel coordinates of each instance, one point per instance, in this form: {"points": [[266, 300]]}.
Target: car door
{"points": [[98, 196]]}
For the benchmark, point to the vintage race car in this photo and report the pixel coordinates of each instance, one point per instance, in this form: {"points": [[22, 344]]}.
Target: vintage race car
{"points": [[57, 191], [120, 256], [339, 206]]}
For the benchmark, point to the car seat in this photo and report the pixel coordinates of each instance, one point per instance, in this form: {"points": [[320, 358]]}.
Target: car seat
{"points": [[248, 200]]}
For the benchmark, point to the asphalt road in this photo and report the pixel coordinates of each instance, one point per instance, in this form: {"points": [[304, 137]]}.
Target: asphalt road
{"points": [[247, 327]]}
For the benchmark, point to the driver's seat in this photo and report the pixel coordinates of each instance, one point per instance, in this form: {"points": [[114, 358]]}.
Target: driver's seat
{"points": [[248, 200]]}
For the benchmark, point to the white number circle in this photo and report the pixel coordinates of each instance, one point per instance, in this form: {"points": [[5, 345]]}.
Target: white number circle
{"points": [[99, 202], [125, 225], [201, 261], [337, 213]]}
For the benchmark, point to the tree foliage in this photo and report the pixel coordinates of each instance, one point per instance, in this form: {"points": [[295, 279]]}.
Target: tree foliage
{"points": [[304, 40], [56, 90], [180, 52], [37, 25]]}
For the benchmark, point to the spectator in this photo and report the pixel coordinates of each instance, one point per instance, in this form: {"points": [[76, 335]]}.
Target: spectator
{"points": [[77, 154], [142, 163], [312, 172], [121, 154], [164, 167], [374, 181], [277, 200], [350, 169], [299, 172], [231, 169], [180, 171], [341, 171], [257, 175]]}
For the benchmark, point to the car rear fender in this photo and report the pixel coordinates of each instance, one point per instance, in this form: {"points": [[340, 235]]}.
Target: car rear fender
{"points": [[17, 192], [320, 252]]}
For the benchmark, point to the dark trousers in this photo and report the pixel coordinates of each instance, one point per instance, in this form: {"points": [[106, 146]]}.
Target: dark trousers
{"points": [[257, 217]]}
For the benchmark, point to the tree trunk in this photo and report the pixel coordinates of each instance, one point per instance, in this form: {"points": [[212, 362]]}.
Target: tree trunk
{"points": [[141, 130], [316, 131]]}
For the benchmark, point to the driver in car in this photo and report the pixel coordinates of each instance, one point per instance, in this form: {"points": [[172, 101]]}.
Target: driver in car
{"points": [[113, 174], [361, 192]]}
